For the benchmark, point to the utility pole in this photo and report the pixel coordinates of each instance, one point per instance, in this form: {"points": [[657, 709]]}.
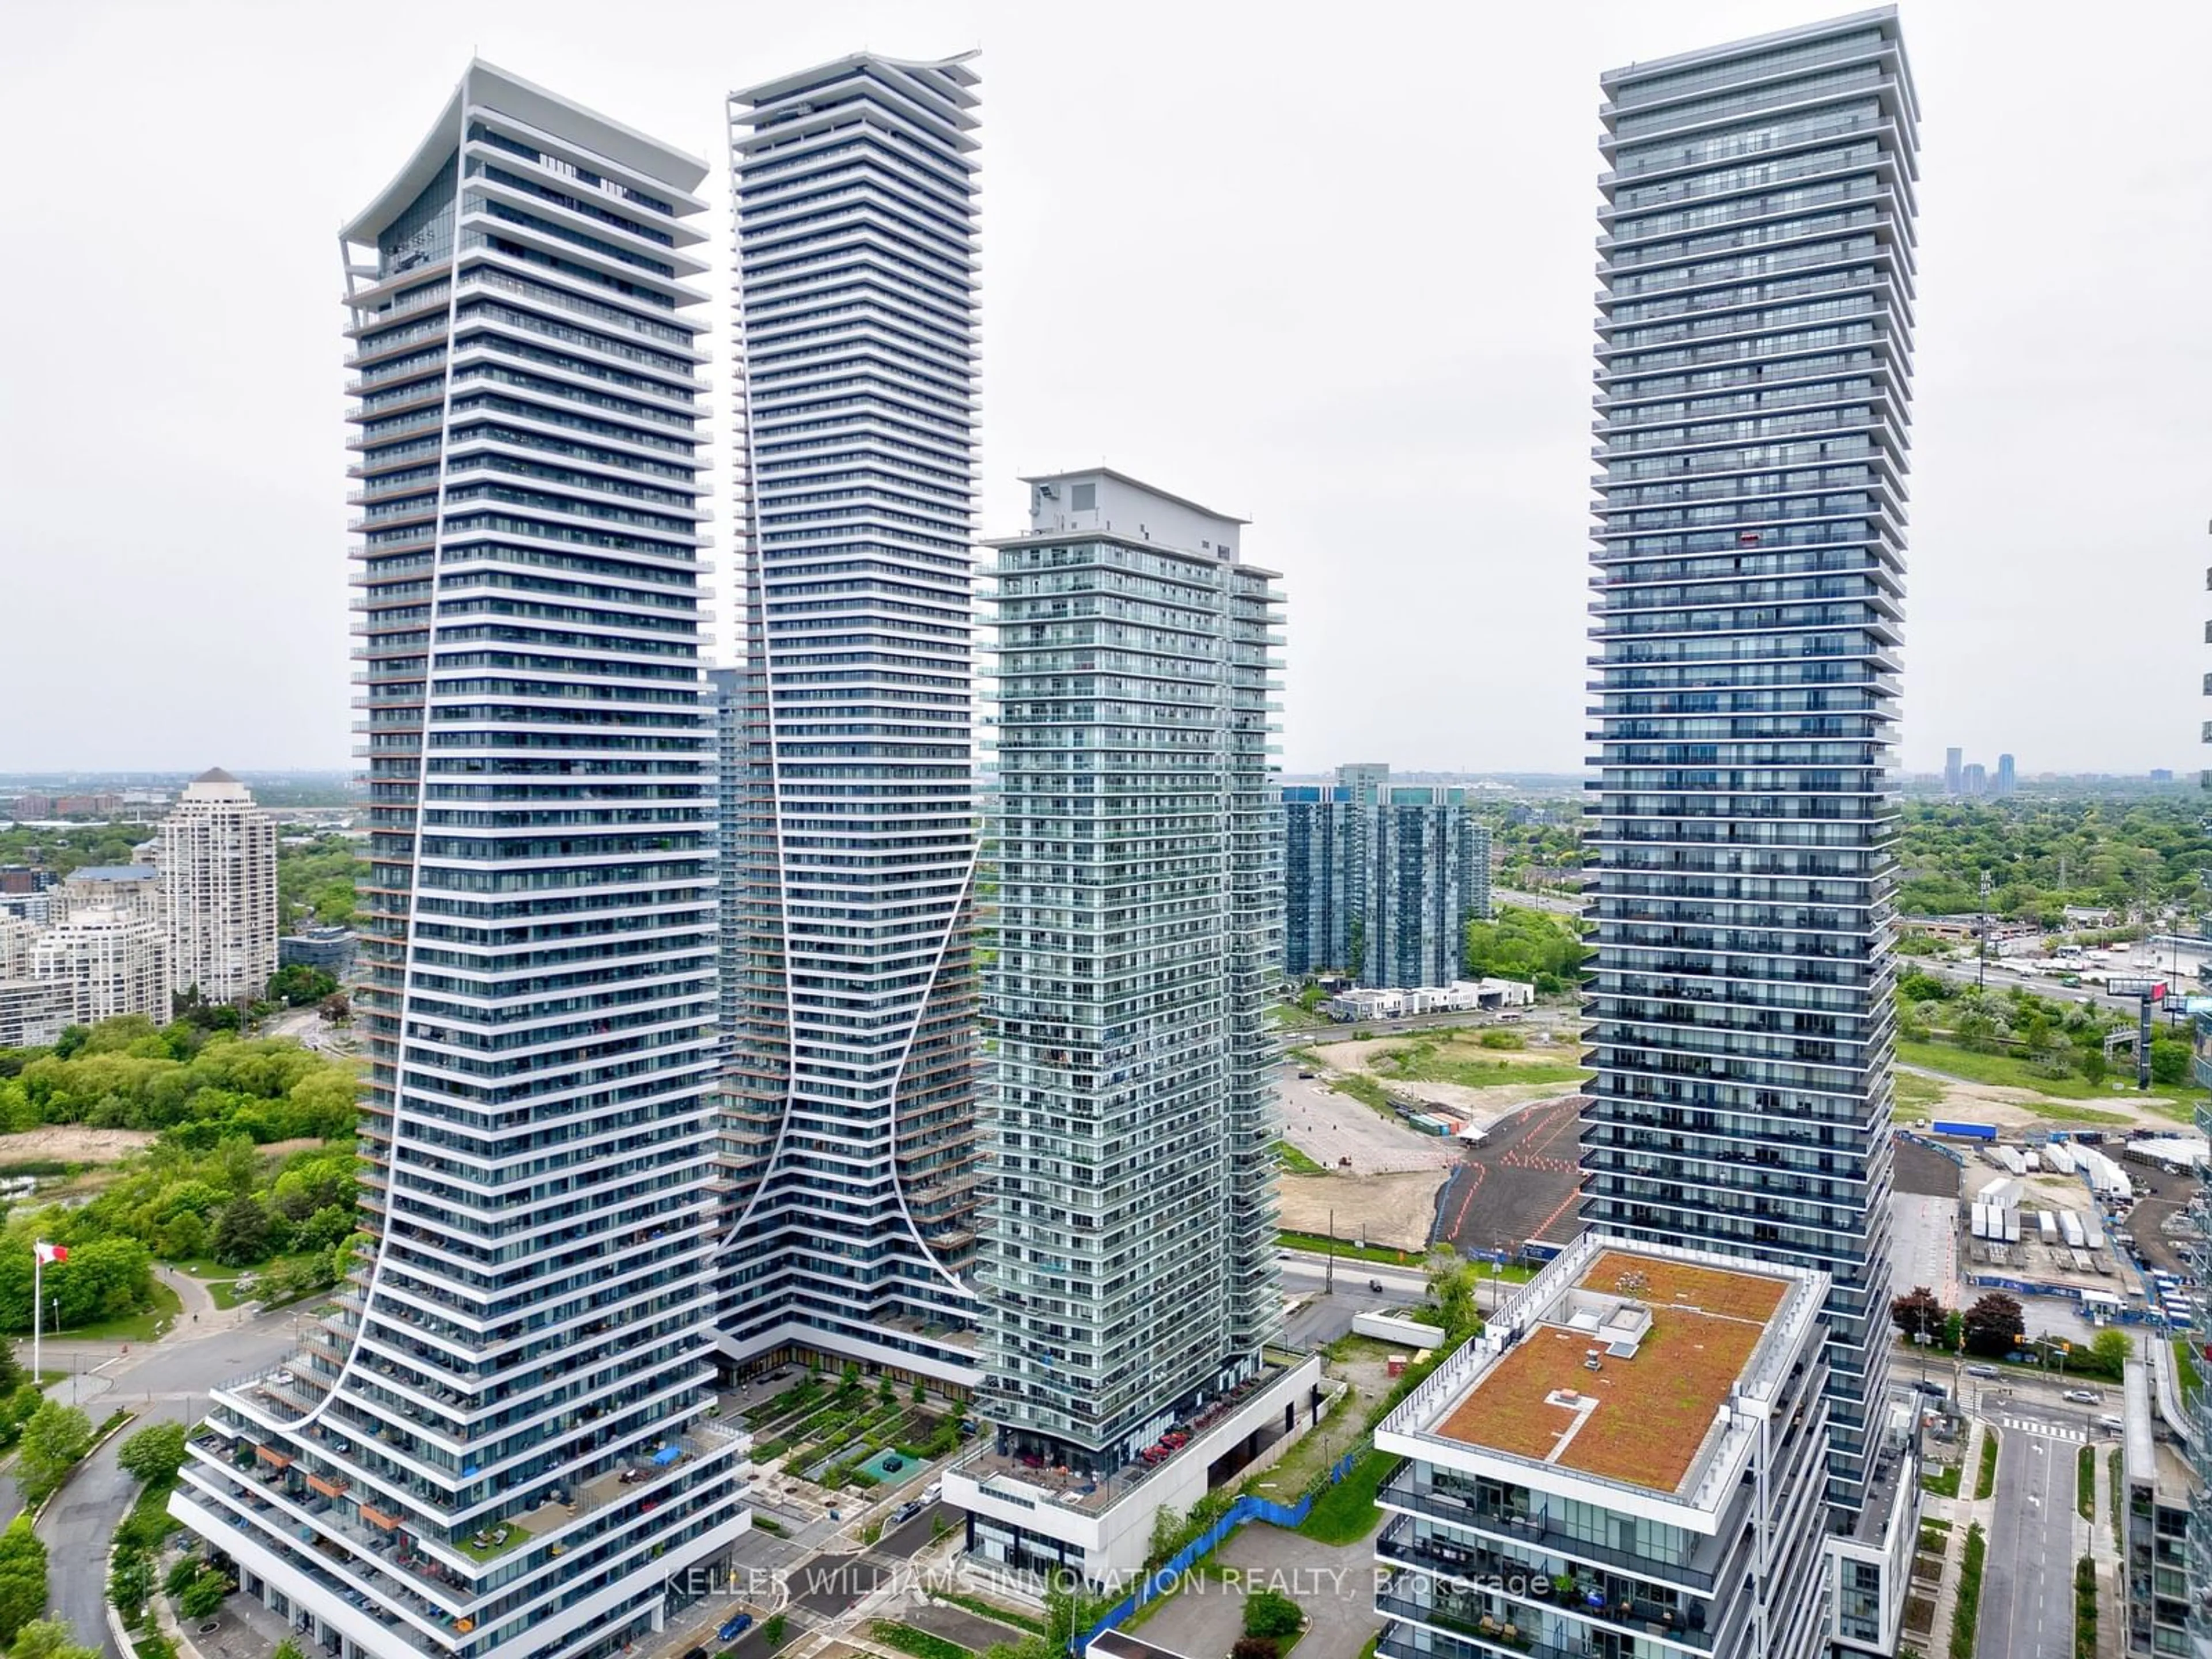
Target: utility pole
{"points": [[1982, 963], [1329, 1272]]}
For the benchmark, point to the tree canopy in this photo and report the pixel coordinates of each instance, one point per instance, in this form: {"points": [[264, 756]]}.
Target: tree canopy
{"points": [[1528, 944]]}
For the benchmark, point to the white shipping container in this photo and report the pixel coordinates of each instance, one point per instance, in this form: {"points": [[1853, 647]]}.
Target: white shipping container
{"points": [[2076, 1238], [2011, 1226], [2047, 1223], [2060, 1158], [1981, 1221]]}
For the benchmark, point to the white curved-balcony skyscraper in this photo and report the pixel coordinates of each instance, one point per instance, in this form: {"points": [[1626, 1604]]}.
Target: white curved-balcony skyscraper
{"points": [[496, 1448], [850, 1132], [1754, 366]]}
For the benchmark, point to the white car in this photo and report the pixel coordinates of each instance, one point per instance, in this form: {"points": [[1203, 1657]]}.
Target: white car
{"points": [[2083, 1396]]}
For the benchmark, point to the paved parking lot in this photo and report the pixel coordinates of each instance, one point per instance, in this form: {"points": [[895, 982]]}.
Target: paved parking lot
{"points": [[1328, 1127], [1335, 1583]]}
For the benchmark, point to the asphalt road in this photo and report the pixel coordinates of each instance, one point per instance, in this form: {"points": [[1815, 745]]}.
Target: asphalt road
{"points": [[2027, 1576], [166, 1382]]}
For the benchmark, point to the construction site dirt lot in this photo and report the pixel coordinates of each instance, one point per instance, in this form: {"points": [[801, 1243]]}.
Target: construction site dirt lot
{"points": [[72, 1143], [1340, 1133], [1393, 1211]]}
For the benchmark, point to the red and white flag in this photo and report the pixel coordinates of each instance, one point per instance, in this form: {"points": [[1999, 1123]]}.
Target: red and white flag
{"points": [[51, 1253]]}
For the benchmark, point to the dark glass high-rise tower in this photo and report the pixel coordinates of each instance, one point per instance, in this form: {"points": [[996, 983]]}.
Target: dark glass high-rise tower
{"points": [[1754, 364]]}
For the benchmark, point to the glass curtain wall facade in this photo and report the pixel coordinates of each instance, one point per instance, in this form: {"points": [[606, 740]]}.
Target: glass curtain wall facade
{"points": [[1324, 850], [1428, 876], [1754, 364], [498, 1443], [1129, 1262], [850, 1099], [1380, 883]]}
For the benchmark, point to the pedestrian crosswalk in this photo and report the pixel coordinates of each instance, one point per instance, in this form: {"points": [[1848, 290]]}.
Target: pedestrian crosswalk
{"points": [[2048, 1431]]}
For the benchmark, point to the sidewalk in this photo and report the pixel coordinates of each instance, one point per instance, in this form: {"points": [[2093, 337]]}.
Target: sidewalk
{"points": [[2112, 1582], [1962, 1512]]}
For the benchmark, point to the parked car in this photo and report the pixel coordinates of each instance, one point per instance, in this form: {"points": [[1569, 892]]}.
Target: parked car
{"points": [[2111, 1425], [1305, 1074], [933, 1492], [735, 1626], [695, 1653], [2083, 1396], [906, 1511]]}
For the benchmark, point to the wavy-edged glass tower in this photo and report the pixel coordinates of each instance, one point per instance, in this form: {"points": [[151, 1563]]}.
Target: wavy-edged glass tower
{"points": [[849, 1099], [1753, 369], [497, 1445]]}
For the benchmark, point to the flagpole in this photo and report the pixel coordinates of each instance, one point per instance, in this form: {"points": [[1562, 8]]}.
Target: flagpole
{"points": [[37, 1300]]}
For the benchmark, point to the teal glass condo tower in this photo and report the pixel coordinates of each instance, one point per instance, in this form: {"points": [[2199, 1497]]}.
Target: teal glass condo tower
{"points": [[1755, 362]]}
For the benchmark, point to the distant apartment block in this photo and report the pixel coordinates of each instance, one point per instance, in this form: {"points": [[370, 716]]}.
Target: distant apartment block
{"points": [[37, 806], [2008, 778], [1128, 1271], [133, 889], [1381, 881], [216, 852], [1542, 1506], [1953, 770], [32, 1011], [112, 960], [849, 1069]]}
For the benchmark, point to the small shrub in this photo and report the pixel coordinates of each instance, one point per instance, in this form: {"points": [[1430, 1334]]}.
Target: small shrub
{"points": [[1271, 1612]]}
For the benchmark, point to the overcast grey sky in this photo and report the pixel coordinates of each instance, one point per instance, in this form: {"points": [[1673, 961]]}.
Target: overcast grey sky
{"points": [[1328, 267]]}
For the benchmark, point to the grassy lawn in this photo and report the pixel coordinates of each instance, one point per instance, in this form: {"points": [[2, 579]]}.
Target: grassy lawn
{"points": [[131, 1327], [2005, 1071], [2189, 1373], [1914, 1089], [1968, 1612], [1366, 1090], [1469, 1064], [515, 1535], [1346, 1513], [1986, 1481], [1295, 1161], [2085, 1483], [1943, 1482], [1345, 1252], [224, 1292]]}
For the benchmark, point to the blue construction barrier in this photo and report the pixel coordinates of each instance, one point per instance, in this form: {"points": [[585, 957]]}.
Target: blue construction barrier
{"points": [[1244, 1509], [1951, 1152]]}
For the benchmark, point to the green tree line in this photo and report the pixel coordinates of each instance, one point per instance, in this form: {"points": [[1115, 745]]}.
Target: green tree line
{"points": [[2043, 855], [1535, 945]]}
